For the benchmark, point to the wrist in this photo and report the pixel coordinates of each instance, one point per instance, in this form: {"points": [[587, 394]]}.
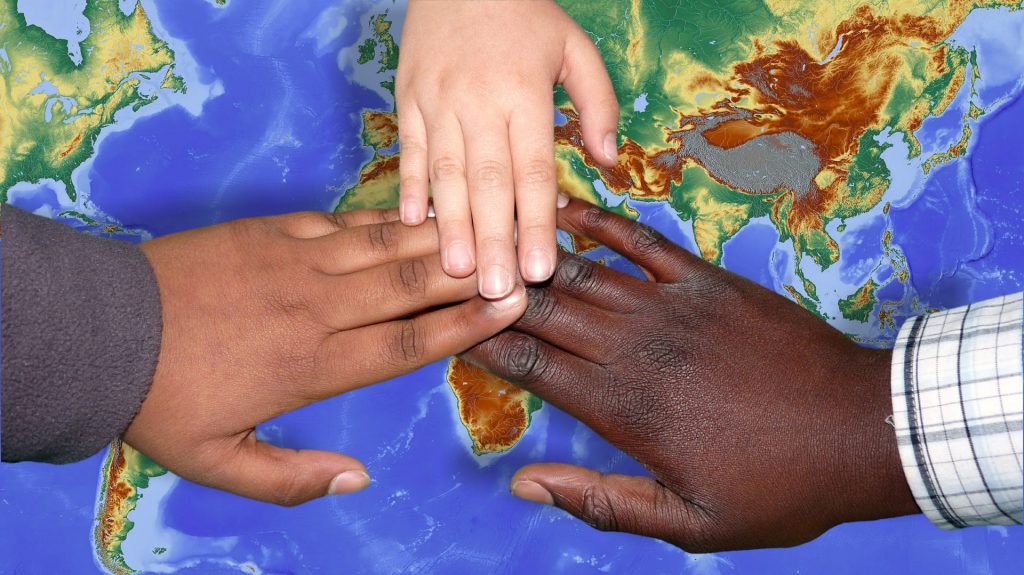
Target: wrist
{"points": [[874, 485]]}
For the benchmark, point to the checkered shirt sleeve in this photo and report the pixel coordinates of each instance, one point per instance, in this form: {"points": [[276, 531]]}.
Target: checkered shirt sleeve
{"points": [[957, 388]]}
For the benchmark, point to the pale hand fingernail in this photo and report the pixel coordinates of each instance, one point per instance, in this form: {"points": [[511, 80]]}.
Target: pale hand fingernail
{"points": [[511, 301], [495, 283], [410, 213], [430, 211], [538, 265], [348, 482], [563, 200], [532, 491], [611, 149], [457, 257]]}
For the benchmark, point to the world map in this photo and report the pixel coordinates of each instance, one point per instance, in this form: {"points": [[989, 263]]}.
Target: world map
{"points": [[861, 158]]}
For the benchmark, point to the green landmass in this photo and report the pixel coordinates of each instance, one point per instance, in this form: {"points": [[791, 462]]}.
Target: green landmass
{"points": [[118, 47], [717, 211], [858, 305], [668, 51], [367, 50], [378, 184], [112, 523], [382, 48]]}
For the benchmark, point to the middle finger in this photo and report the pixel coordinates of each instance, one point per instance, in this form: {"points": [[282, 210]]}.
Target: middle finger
{"points": [[568, 323], [492, 200]]}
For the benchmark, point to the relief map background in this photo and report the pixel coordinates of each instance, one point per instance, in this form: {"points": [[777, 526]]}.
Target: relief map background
{"points": [[863, 158]]}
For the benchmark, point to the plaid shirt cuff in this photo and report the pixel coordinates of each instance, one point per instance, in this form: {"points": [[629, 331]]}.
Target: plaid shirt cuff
{"points": [[957, 393]]}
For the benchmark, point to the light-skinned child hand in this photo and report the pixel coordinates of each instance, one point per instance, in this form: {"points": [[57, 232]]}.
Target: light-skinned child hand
{"points": [[476, 120]]}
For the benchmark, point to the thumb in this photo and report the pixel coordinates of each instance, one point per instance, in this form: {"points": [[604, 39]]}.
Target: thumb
{"points": [[611, 502], [586, 80], [287, 477]]}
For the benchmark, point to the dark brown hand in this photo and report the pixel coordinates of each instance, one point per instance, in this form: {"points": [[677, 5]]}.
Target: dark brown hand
{"points": [[761, 425]]}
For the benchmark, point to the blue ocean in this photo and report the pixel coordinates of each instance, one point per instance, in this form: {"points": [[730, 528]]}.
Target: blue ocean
{"points": [[271, 124]]}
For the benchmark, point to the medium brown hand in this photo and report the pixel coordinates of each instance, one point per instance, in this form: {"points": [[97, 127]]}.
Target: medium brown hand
{"points": [[267, 315]]}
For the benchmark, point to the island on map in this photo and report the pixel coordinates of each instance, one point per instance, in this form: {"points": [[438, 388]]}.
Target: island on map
{"points": [[52, 111], [779, 108], [53, 108]]}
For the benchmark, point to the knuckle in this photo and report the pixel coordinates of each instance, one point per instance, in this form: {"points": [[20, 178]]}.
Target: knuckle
{"points": [[541, 308], [455, 226], [446, 168], [523, 359], [403, 84], [286, 305], [290, 492], [381, 216], [339, 220], [302, 361], [410, 146], [631, 403], [440, 83], [539, 230], [594, 217], [411, 182], [382, 238], [495, 243], [410, 278], [645, 239], [659, 355], [608, 102], [713, 283], [538, 173], [575, 275], [490, 173], [598, 509], [405, 343], [247, 231]]}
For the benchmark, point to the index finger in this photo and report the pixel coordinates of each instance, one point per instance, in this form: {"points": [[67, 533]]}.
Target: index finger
{"points": [[492, 200], [642, 244], [358, 248], [309, 225]]}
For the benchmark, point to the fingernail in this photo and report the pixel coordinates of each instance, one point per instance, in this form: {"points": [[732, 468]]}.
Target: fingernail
{"points": [[496, 283], [457, 257], [563, 200], [538, 265], [531, 491], [611, 149], [409, 212], [430, 211], [348, 482]]}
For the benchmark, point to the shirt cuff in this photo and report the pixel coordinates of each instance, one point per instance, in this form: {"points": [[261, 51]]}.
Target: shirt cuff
{"points": [[957, 393], [80, 339]]}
